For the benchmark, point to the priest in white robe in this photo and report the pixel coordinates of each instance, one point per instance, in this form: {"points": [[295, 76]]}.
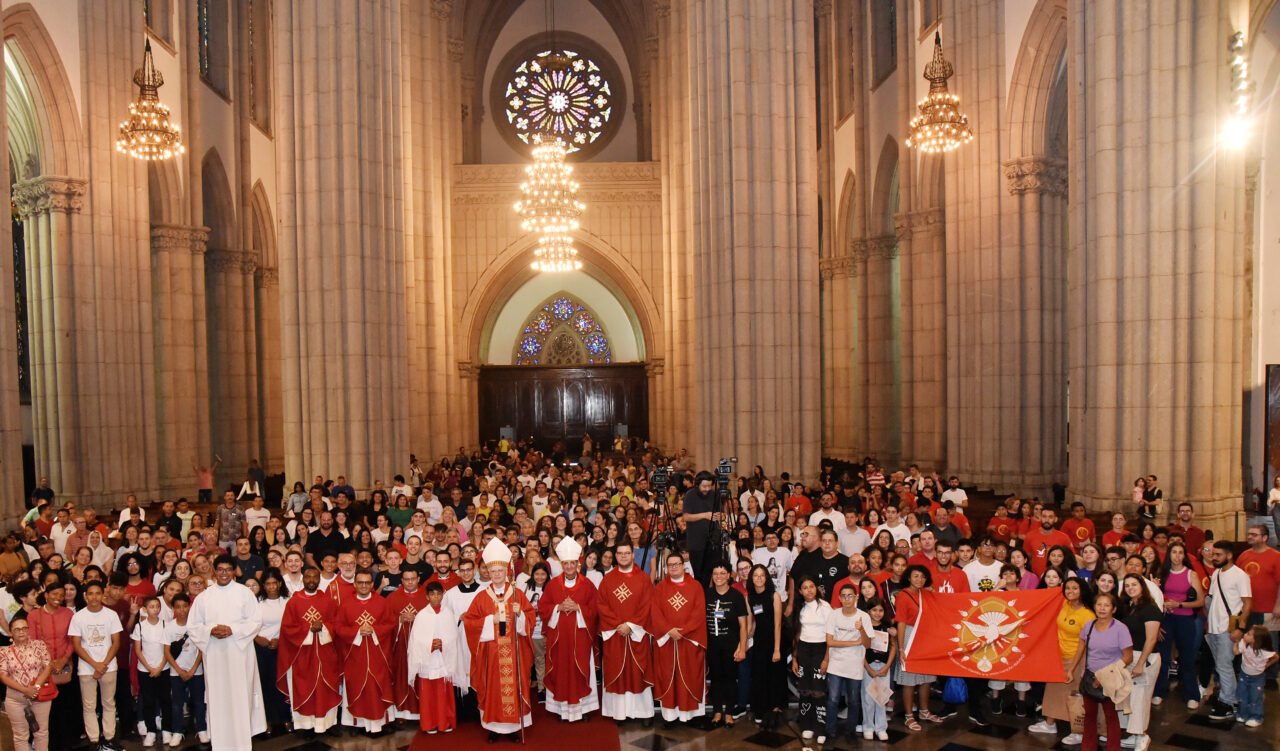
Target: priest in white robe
{"points": [[223, 621]]}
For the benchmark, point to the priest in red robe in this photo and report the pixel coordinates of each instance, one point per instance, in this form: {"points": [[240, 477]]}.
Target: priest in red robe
{"points": [[342, 588], [568, 611], [404, 604], [623, 602], [364, 641], [678, 622], [434, 662], [308, 668], [498, 626]]}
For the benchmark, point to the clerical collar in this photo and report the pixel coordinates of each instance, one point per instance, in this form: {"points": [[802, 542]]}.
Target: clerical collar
{"points": [[409, 591], [676, 581], [627, 570], [366, 597], [352, 580], [468, 588], [570, 582]]}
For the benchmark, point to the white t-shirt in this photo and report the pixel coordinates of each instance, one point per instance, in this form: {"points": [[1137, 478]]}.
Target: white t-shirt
{"points": [[151, 637], [1226, 589], [900, 532], [778, 563], [272, 614], [255, 517], [433, 507], [95, 630], [846, 662], [1273, 498], [835, 516], [401, 490], [747, 495], [187, 657], [539, 505], [1254, 661], [813, 621], [983, 577], [956, 496], [852, 543]]}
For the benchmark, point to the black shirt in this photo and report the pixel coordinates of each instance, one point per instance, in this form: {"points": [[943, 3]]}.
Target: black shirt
{"points": [[723, 612], [319, 544], [825, 572], [1136, 622], [249, 567], [696, 532]]}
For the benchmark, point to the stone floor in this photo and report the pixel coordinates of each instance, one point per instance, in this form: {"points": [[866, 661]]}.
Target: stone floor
{"points": [[1174, 728]]}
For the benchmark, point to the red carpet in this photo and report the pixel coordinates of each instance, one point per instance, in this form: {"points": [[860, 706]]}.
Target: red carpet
{"points": [[546, 733]]}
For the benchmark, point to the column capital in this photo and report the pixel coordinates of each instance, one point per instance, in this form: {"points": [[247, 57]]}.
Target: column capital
{"points": [[1036, 174], [231, 261], [821, 7], [456, 49], [662, 8], [839, 267], [175, 238], [266, 278], [442, 8], [907, 223], [882, 246], [49, 193], [654, 367]]}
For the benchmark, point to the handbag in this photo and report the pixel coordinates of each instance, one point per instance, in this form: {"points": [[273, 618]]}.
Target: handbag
{"points": [[1233, 620], [956, 691], [175, 647], [1089, 685], [61, 677], [48, 692]]}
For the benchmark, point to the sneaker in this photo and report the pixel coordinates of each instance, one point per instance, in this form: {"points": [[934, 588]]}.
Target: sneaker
{"points": [[1129, 741], [1252, 723], [978, 722], [1193, 705], [807, 735], [1144, 743], [858, 729], [1075, 739], [1221, 711], [868, 735], [997, 706], [822, 739], [882, 735], [1020, 708], [203, 735], [1239, 718], [1047, 727], [1156, 701], [149, 739], [175, 740]]}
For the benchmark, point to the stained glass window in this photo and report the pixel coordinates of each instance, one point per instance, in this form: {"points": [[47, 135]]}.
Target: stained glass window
{"points": [[562, 332], [202, 18], [561, 91], [20, 309]]}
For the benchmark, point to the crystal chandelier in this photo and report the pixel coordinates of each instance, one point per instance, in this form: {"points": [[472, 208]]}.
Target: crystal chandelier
{"points": [[939, 127], [148, 134], [550, 208]]}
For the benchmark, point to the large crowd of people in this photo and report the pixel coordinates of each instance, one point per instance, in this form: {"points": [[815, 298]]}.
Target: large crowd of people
{"points": [[470, 589]]}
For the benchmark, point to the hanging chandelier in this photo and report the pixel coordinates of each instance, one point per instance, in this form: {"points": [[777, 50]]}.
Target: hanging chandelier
{"points": [[549, 208], [939, 127], [148, 134]]}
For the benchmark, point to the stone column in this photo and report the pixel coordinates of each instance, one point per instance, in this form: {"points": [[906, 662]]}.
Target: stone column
{"points": [[342, 239], [47, 206], [266, 287], [182, 385], [1156, 268], [233, 360], [841, 399], [11, 481], [922, 246], [882, 348], [753, 233]]}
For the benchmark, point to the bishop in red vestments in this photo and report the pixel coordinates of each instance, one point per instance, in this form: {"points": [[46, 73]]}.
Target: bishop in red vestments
{"points": [[308, 669], [498, 626], [678, 622], [623, 602], [364, 641], [568, 610], [404, 604]]}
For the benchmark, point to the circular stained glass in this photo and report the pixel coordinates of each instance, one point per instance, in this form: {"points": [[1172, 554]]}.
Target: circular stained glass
{"points": [[553, 333], [569, 89]]}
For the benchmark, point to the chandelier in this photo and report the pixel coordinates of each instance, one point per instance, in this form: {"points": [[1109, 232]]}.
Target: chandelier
{"points": [[148, 134], [939, 127], [550, 208]]}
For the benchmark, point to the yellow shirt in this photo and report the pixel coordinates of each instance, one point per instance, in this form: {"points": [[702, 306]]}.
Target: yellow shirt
{"points": [[1070, 623]]}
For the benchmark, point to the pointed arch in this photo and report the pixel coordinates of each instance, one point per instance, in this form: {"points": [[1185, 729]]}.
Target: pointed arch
{"points": [[32, 58], [1038, 66], [562, 318], [219, 210], [883, 200], [263, 228], [847, 218], [931, 181], [165, 192]]}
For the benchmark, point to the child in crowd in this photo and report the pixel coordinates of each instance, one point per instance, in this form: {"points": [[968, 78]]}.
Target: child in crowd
{"points": [[149, 640], [882, 649], [1256, 656], [186, 675]]}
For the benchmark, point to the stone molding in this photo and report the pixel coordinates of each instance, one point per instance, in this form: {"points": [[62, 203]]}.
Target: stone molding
{"points": [[468, 370], [174, 238], [442, 9], [231, 261], [654, 367], [821, 7], [485, 175], [882, 246], [840, 267], [1036, 174], [49, 193], [456, 49], [266, 278], [662, 8], [925, 222]]}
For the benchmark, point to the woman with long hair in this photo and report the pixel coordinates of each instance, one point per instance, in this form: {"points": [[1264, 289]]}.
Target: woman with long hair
{"points": [[915, 686], [271, 602], [1139, 614], [768, 656], [1183, 597], [1072, 617], [533, 589]]}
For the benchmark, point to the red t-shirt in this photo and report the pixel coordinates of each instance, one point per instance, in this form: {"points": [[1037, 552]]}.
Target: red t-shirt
{"points": [[802, 506], [1002, 528], [1080, 531], [953, 580], [1113, 537], [920, 559], [906, 608], [1038, 543], [962, 523], [1264, 575], [1193, 536]]}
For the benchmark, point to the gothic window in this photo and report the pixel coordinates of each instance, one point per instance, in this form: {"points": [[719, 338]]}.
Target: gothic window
{"points": [[930, 12], [562, 332], [884, 40], [214, 53], [159, 18], [570, 89]]}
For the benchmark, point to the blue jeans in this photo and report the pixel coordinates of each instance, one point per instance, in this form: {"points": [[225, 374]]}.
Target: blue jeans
{"points": [[186, 693], [851, 689], [873, 716], [1224, 665], [1183, 632], [1250, 697]]}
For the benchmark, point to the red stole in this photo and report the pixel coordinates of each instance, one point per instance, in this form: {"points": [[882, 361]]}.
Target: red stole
{"points": [[569, 646], [625, 598], [404, 691], [317, 671], [366, 666], [341, 590], [679, 667]]}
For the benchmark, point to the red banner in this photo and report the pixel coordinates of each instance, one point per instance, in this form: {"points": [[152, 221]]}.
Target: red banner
{"points": [[1008, 636]]}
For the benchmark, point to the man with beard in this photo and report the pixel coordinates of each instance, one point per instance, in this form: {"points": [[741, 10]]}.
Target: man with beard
{"points": [[404, 604], [624, 599], [343, 587], [678, 621], [308, 668], [457, 599], [568, 611], [498, 626], [364, 627], [699, 514]]}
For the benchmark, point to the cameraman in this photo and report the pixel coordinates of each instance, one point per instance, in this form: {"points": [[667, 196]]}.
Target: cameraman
{"points": [[700, 505]]}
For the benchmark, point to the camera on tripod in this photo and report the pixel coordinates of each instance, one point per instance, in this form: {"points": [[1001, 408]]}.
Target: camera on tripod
{"points": [[724, 470]]}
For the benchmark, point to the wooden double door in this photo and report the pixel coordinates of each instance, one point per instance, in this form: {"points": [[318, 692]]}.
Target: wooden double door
{"points": [[550, 403]]}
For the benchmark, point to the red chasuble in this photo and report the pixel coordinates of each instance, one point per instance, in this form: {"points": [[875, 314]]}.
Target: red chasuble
{"points": [[317, 669], [341, 590], [625, 598], [569, 645], [679, 667], [404, 691], [366, 665], [449, 583], [493, 663]]}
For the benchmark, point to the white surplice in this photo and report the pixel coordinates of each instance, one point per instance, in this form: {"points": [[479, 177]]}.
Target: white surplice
{"points": [[232, 690]]}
